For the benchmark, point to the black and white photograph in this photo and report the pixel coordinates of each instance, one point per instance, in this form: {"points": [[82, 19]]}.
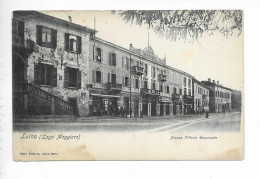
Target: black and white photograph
{"points": [[109, 85]]}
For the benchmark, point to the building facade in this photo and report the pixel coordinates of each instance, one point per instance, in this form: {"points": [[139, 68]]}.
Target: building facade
{"points": [[136, 80], [201, 97], [61, 68], [50, 65], [219, 96]]}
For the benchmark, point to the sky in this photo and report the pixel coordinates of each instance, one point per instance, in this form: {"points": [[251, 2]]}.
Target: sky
{"points": [[215, 56]]}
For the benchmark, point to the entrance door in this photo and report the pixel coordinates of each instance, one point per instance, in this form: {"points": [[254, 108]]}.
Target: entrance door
{"points": [[145, 109], [113, 80], [74, 103], [161, 109], [153, 107], [167, 109], [136, 107]]}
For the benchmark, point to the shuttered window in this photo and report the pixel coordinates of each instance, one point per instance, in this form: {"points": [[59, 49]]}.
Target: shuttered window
{"points": [[45, 74], [112, 59], [72, 43], [72, 78], [99, 54], [46, 37]]}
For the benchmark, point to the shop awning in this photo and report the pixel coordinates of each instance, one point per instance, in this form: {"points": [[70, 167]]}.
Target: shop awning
{"points": [[105, 96]]}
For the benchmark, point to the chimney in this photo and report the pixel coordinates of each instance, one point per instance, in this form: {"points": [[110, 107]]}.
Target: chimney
{"points": [[209, 79], [218, 82], [213, 81]]}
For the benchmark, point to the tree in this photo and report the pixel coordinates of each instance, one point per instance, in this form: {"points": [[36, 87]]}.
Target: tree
{"points": [[186, 24]]}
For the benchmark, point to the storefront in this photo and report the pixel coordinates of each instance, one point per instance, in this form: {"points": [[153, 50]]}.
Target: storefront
{"points": [[105, 104]]}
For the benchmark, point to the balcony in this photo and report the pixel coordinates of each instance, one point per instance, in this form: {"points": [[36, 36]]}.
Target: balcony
{"points": [[146, 92], [114, 87], [18, 42], [137, 70], [176, 96], [162, 77]]}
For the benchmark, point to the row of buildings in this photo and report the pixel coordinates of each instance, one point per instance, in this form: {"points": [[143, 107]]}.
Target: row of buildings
{"points": [[61, 68]]}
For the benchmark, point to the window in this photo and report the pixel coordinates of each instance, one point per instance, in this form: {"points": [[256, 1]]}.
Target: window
{"points": [[180, 91], [184, 82], [46, 37], [189, 92], [98, 76], [112, 60], [154, 73], [127, 63], [174, 90], [189, 83], [99, 55], [167, 89], [126, 81], [145, 69], [72, 78], [161, 88], [153, 86], [18, 27], [145, 84], [72, 43], [185, 91], [45, 74], [137, 83], [216, 94]]}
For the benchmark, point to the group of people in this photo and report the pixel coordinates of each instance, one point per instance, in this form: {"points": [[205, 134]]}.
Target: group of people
{"points": [[114, 111]]}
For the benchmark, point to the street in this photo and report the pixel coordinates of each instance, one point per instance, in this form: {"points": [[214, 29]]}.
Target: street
{"points": [[218, 122]]}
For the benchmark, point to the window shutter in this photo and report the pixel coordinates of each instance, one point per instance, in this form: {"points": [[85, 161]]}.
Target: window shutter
{"points": [[79, 44], [54, 38], [110, 58], [21, 28], [93, 76], [101, 77], [39, 35], [123, 64], [36, 74], [95, 53], [79, 79], [66, 77], [54, 77], [114, 59], [108, 77], [66, 41], [101, 54]]}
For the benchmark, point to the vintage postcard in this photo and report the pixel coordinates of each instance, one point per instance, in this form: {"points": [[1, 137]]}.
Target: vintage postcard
{"points": [[128, 85]]}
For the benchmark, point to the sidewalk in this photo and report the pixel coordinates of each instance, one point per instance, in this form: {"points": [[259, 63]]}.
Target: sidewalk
{"points": [[105, 118]]}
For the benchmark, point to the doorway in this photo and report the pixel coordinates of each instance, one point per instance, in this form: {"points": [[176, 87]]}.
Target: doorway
{"points": [[74, 103]]}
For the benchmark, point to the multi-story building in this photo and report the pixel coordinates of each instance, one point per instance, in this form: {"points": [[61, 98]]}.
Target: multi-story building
{"points": [[219, 96], [201, 97], [61, 68], [137, 80], [50, 65]]}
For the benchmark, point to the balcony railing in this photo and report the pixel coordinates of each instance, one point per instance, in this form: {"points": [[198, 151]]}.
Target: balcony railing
{"points": [[137, 70], [114, 86], [162, 77], [146, 91], [204, 96]]}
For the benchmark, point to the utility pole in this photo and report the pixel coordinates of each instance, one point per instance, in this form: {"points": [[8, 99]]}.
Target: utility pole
{"points": [[130, 106]]}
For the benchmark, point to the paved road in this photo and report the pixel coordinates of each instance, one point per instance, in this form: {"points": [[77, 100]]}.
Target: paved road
{"points": [[194, 123]]}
